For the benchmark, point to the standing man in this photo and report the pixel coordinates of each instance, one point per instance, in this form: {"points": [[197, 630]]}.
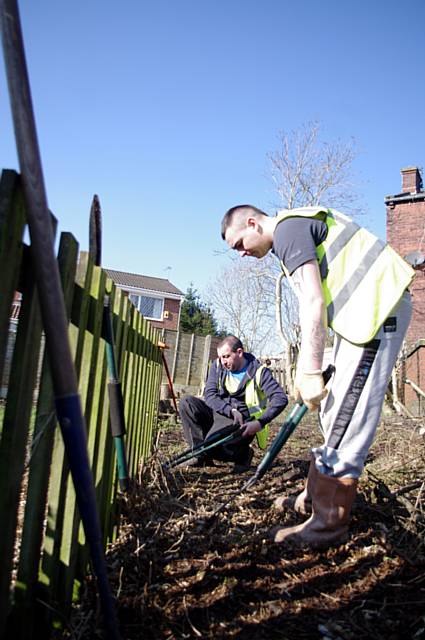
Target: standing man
{"points": [[346, 279], [240, 393]]}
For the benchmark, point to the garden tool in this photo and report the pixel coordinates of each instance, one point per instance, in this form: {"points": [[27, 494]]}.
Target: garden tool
{"points": [[294, 418], [163, 346], [116, 402], [68, 404], [215, 440]]}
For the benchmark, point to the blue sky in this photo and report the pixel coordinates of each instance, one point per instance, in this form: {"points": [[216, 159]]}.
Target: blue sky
{"points": [[167, 110]]}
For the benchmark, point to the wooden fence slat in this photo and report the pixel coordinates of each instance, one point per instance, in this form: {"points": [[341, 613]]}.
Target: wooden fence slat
{"points": [[106, 479], [49, 576], [125, 346], [145, 388], [131, 396], [87, 347], [15, 428], [137, 369], [155, 360], [149, 395], [58, 567], [93, 388], [124, 360], [144, 432], [147, 431], [80, 313], [135, 423], [12, 223], [111, 508], [156, 389], [141, 382], [41, 453], [105, 472], [57, 492], [147, 381], [103, 454]]}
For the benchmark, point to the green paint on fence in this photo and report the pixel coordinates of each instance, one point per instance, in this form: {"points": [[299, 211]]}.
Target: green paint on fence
{"points": [[53, 556]]}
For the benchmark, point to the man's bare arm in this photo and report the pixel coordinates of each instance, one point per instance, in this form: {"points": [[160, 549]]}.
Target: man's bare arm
{"points": [[308, 287]]}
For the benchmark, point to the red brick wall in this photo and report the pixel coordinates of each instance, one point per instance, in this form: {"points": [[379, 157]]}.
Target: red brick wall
{"points": [[405, 233], [405, 226], [411, 180], [171, 306]]}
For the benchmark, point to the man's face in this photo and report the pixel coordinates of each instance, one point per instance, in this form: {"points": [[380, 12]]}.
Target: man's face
{"points": [[247, 238], [231, 360]]}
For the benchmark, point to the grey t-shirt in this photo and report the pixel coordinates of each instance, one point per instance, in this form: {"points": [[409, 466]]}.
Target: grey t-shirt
{"points": [[295, 241]]}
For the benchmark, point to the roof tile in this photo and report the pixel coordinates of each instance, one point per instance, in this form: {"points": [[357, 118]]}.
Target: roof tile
{"points": [[124, 279]]}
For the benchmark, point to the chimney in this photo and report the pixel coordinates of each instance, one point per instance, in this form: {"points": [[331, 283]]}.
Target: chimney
{"points": [[411, 180]]}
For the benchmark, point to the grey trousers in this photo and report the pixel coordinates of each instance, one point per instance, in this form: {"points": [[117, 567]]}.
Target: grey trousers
{"points": [[200, 422], [351, 412]]}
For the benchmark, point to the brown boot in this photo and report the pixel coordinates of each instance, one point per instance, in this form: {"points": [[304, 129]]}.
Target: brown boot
{"points": [[302, 502], [328, 524]]}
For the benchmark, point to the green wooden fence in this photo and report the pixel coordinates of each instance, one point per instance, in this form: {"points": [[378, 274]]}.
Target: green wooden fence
{"points": [[43, 555]]}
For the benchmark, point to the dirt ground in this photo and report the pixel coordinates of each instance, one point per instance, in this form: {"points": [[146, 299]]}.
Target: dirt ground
{"points": [[177, 575]]}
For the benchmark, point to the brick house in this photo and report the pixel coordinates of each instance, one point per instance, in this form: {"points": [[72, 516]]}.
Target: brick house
{"points": [[406, 234], [157, 299]]}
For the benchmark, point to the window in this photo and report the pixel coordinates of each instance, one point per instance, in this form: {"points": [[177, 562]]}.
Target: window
{"points": [[151, 307], [148, 306]]}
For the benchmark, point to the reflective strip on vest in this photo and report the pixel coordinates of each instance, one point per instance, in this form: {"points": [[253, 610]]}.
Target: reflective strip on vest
{"points": [[336, 246], [363, 278], [255, 400], [349, 288]]}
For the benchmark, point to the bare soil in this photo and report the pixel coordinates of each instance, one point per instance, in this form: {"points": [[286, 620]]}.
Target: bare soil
{"points": [[176, 574]]}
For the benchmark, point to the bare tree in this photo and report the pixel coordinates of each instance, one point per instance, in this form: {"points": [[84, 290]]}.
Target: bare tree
{"points": [[242, 296], [306, 171]]}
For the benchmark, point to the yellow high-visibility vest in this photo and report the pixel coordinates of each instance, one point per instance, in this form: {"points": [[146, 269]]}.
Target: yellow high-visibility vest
{"points": [[255, 400], [363, 278]]}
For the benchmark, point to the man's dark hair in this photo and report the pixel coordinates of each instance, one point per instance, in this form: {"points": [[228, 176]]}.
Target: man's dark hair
{"points": [[233, 342], [230, 214]]}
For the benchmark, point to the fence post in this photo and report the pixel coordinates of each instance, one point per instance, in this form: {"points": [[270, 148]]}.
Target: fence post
{"points": [[189, 360], [205, 362], [175, 355]]}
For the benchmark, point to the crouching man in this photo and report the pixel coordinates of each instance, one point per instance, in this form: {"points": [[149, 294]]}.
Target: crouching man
{"points": [[240, 393]]}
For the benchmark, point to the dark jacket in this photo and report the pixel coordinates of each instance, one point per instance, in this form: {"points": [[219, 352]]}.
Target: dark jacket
{"points": [[220, 400]]}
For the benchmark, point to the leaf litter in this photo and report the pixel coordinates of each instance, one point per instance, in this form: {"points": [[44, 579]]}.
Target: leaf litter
{"points": [[177, 573]]}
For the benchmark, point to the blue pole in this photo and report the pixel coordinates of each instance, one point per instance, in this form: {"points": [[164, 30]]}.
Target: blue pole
{"points": [[52, 304]]}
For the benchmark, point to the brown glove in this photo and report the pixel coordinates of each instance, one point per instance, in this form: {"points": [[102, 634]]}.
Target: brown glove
{"points": [[310, 388]]}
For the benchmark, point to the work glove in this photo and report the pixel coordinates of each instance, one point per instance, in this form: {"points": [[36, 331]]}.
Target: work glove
{"points": [[310, 388]]}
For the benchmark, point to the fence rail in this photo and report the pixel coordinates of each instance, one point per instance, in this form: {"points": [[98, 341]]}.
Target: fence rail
{"points": [[43, 554]]}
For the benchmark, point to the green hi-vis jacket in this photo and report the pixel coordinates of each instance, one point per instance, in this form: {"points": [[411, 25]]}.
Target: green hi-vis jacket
{"points": [[363, 278], [255, 400]]}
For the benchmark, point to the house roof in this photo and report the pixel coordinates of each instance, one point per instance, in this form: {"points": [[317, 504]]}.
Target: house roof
{"points": [[149, 283]]}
